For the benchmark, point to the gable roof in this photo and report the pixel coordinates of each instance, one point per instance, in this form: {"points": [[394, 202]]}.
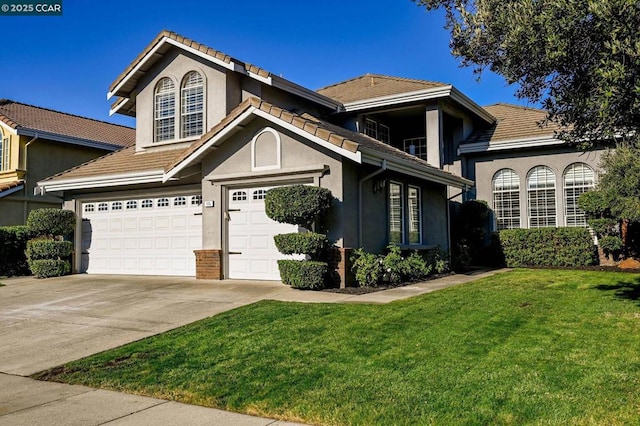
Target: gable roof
{"points": [[515, 127], [128, 167], [125, 83], [55, 125]]}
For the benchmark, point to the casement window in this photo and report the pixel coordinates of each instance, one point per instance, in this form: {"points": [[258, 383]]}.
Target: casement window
{"points": [[192, 105], [165, 110], [405, 214], [541, 197], [377, 130], [578, 179], [396, 214], [415, 215], [506, 199], [4, 152]]}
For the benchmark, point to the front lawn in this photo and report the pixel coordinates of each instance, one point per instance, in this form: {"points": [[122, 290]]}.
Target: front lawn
{"points": [[523, 347]]}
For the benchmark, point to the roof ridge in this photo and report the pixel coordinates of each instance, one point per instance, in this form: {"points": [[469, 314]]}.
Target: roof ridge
{"points": [[506, 104], [4, 102], [390, 77]]}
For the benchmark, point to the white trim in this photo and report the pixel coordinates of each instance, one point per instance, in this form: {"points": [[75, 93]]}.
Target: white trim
{"points": [[302, 91], [118, 107], [403, 238], [68, 139], [278, 150], [99, 182], [534, 142], [11, 191]]}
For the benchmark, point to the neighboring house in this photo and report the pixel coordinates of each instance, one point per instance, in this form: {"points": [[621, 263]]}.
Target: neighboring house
{"points": [[38, 142], [215, 133]]}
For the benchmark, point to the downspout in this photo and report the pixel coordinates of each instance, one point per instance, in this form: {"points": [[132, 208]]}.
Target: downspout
{"points": [[382, 168], [26, 174]]}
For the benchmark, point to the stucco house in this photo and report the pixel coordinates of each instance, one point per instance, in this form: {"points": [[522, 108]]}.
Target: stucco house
{"points": [[215, 133], [36, 143]]}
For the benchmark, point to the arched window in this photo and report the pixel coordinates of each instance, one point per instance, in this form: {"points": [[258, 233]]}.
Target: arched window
{"points": [[265, 150], [541, 197], [506, 199], [192, 105], [578, 178], [165, 110]]}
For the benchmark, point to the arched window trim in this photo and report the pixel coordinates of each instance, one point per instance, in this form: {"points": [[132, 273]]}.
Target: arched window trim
{"points": [[550, 218], [572, 215], [504, 202], [166, 132], [278, 150], [184, 113]]}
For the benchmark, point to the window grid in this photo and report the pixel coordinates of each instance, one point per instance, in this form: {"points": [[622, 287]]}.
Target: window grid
{"points": [[578, 179], [192, 105], [506, 199], [165, 110], [541, 191], [415, 216], [103, 207], [259, 194], [416, 146], [116, 205], [196, 200], [163, 202], [396, 223], [370, 128], [131, 205], [384, 134], [5, 154], [146, 204], [88, 208], [180, 201], [239, 196]]}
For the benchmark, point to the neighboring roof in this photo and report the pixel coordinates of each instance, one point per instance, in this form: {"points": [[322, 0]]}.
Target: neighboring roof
{"points": [[31, 120], [515, 127], [369, 86], [10, 188], [125, 83]]}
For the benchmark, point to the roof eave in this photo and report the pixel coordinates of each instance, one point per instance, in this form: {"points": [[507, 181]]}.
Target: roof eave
{"points": [[520, 143], [34, 133], [151, 176], [11, 190]]}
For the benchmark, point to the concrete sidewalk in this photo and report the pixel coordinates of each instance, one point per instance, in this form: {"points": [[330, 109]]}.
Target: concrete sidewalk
{"points": [[45, 323]]}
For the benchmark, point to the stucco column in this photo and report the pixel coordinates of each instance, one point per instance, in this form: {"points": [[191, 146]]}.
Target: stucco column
{"points": [[434, 136]]}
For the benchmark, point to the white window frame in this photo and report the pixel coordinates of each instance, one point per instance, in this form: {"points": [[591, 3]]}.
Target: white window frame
{"points": [[410, 220], [162, 100], [391, 219], [508, 214], [278, 150], [370, 128], [384, 133], [5, 152], [538, 191], [416, 146], [192, 96], [574, 216]]}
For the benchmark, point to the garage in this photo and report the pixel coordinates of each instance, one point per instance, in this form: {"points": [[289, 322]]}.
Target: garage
{"points": [[142, 236], [252, 252]]}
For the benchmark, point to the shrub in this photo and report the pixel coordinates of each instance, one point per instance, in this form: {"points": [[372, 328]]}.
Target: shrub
{"points": [[370, 269], [610, 244], [303, 274], [394, 265], [45, 268], [415, 267], [298, 204], [367, 268], [301, 242], [45, 248], [51, 222], [547, 247], [13, 244]]}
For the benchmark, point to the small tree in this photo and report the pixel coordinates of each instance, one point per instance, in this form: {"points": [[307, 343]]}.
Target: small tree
{"points": [[300, 205], [48, 254]]}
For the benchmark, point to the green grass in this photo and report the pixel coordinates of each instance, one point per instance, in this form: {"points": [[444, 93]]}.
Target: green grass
{"points": [[525, 347]]}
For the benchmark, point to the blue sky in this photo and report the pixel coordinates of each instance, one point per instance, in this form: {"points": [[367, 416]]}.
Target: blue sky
{"points": [[68, 62]]}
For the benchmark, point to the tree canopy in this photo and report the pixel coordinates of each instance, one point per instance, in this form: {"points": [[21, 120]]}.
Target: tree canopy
{"points": [[579, 58]]}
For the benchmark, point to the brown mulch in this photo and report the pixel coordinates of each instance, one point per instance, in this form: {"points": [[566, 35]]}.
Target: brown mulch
{"points": [[365, 290]]}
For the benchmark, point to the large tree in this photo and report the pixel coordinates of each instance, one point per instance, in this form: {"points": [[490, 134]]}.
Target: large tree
{"points": [[579, 58]]}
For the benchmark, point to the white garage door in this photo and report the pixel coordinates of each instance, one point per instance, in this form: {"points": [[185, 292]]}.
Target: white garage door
{"points": [[252, 252], [146, 236]]}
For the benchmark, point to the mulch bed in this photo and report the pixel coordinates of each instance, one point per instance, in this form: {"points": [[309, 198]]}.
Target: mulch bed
{"points": [[365, 290]]}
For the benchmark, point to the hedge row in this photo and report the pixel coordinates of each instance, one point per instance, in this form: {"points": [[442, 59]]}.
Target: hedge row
{"points": [[13, 243], [548, 247]]}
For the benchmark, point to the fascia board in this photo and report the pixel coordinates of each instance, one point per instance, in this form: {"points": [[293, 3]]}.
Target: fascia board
{"points": [[67, 139], [471, 148], [99, 182], [118, 107], [469, 104], [382, 101], [11, 191], [303, 92]]}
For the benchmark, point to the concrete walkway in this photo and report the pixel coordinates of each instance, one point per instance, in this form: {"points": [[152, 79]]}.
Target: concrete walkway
{"points": [[45, 323]]}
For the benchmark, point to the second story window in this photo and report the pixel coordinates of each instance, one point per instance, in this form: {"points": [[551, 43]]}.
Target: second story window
{"points": [[192, 105], [4, 152], [165, 110], [377, 130]]}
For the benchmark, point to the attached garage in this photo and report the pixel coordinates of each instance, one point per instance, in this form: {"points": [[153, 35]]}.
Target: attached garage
{"points": [[143, 236], [252, 252]]}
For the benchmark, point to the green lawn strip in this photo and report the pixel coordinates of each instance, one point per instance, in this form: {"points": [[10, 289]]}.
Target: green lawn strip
{"points": [[524, 347]]}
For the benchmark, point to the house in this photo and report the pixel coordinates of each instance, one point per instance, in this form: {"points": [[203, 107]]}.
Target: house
{"points": [[36, 143], [215, 133]]}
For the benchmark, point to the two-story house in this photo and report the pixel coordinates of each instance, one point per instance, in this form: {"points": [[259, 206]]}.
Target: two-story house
{"points": [[215, 133], [36, 143]]}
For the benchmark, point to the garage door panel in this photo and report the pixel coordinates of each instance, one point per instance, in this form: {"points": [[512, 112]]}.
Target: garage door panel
{"points": [[115, 225], [145, 224], [131, 224]]}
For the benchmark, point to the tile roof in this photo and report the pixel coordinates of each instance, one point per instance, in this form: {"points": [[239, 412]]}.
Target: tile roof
{"points": [[371, 86], [514, 122], [18, 115], [10, 185]]}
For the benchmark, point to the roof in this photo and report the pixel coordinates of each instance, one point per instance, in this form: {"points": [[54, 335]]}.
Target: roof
{"points": [[29, 119], [11, 187], [369, 86]]}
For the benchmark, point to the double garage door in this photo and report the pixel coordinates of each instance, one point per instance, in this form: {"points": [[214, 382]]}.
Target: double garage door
{"points": [[147, 236]]}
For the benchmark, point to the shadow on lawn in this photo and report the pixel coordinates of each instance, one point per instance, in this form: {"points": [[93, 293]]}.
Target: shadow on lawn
{"points": [[623, 290]]}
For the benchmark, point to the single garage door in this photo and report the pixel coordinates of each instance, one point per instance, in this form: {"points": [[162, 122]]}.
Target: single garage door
{"points": [[252, 252], [145, 236]]}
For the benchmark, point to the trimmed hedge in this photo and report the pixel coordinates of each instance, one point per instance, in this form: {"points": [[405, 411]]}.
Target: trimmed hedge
{"points": [[548, 247], [45, 248], [46, 268], [297, 204], [309, 243], [51, 222], [303, 274], [13, 244]]}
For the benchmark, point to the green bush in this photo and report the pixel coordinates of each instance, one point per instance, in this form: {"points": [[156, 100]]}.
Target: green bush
{"points": [[298, 204], [371, 269], [303, 274], [610, 244], [51, 222], [13, 244], [309, 243], [415, 267], [45, 248], [547, 247], [46, 268], [367, 268]]}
